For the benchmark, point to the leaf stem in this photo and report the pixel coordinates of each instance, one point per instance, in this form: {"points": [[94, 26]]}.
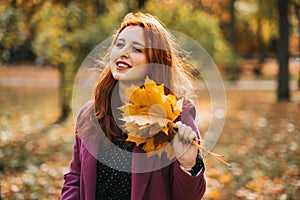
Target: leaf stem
{"points": [[217, 156]]}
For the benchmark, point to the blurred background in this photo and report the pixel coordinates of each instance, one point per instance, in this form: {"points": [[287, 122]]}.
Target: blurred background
{"points": [[254, 43]]}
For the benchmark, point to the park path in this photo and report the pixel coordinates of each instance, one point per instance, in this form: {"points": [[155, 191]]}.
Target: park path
{"points": [[28, 82], [229, 85], [257, 85]]}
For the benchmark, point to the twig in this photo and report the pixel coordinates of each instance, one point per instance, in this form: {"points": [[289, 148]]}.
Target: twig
{"points": [[208, 151], [217, 156]]}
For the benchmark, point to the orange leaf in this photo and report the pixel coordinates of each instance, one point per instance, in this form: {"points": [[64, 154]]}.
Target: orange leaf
{"points": [[149, 117]]}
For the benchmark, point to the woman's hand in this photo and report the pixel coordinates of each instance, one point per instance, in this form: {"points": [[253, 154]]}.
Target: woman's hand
{"points": [[185, 152]]}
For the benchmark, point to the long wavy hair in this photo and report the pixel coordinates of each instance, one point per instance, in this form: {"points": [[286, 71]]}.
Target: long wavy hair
{"points": [[161, 50]]}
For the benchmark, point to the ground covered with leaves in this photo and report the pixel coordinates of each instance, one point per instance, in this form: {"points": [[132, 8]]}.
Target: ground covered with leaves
{"points": [[260, 140]]}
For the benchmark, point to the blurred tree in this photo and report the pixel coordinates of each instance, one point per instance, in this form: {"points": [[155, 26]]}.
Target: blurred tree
{"points": [[141, 4], [266, 14], [283, 91], [249, 25], [202, 27], [133, 5], [65, 34], [100, 7], [13, 29], [55, 26], [232, 22], [257, 27], [295, 22]]}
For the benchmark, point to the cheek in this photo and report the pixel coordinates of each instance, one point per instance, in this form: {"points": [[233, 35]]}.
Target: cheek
{"points": [[140, 60], [143, 70], [113, 55]]}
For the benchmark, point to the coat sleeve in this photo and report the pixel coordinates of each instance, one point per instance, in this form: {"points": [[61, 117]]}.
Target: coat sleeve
{"points": [[71, 186], [186, 186]]}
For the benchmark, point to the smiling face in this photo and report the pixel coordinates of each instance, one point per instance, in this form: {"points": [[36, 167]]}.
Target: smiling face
{"points": [[128, 58]]}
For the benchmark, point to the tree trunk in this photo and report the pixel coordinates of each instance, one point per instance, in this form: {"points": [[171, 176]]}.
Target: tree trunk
{"points": [[261, 57], [64, 96], [100, 7], [141, 4], [283, 90], [297, 11], [232, 25]]}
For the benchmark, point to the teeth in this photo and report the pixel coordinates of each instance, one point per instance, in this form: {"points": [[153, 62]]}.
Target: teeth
{"points": [[122, 65]]}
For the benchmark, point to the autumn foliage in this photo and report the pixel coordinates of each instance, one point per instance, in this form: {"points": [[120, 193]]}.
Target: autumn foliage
{"points": [[149, 117]]}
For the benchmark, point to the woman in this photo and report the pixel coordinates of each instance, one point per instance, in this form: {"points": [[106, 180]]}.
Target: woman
{"points": [[141, 47]]}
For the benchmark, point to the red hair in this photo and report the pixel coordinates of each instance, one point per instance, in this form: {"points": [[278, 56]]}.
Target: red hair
{"points": [[160, 50]]}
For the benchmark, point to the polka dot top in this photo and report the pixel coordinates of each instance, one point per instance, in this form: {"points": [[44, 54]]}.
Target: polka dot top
{"points": [[114, 173]]}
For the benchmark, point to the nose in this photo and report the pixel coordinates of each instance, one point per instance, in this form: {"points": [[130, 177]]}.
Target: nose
{"points": [[125, 52]]}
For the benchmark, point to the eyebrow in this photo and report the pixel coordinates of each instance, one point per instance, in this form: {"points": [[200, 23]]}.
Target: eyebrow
{"points": [[134, 42]]}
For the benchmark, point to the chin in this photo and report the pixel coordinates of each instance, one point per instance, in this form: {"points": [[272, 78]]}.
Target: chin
{"points": [[117, 77]]}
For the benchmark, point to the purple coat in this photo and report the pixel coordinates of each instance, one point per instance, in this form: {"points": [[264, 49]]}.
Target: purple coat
{"points": [[168, 183]]}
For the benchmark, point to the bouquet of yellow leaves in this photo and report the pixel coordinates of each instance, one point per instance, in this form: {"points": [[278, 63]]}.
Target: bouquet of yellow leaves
{"points": [[149, 118]]}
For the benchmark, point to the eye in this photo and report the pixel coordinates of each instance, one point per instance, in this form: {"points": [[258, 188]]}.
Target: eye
{"points": [[120, 44], [136, 49]]}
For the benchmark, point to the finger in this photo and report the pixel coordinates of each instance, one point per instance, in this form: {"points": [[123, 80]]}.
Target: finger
{"points": [[186, 133], [178, 123], [177, 126], [181, 131], [192, 136], [184, 137]]}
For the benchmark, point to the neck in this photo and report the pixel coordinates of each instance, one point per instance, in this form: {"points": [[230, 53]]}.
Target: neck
{"points": [[123, 85]]}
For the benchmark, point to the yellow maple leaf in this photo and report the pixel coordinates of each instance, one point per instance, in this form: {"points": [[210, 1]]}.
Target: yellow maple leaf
{"points": [[149, 117], [137, 140]]}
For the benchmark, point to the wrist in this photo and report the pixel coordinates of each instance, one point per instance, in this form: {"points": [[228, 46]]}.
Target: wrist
{"points": [[186, 168], [197, 167], [187, 165]]}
